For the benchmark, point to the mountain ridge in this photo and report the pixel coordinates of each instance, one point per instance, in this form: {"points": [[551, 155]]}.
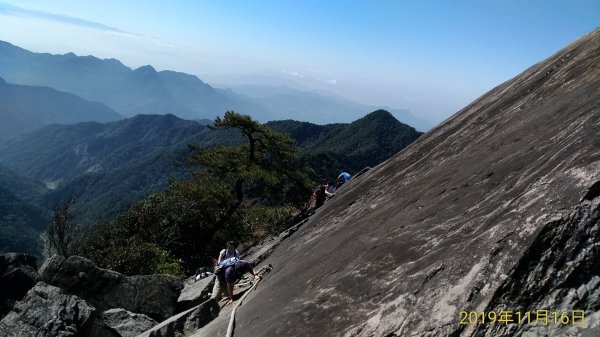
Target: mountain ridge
{"points": [[144, 90], [128, 91], [26, 108]]}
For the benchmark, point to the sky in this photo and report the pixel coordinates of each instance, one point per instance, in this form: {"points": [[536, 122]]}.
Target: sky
{"points": [[431, 57]]}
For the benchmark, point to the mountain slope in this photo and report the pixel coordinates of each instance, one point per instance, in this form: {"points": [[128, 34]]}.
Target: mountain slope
{"points": [[67, 151], [332, 148], [129, 92], [22, 213], [496, 209], [26, 108], [108, 166]]}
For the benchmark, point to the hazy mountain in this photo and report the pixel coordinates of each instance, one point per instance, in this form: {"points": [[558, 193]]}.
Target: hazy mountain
{"points": [[147, 91], [26, 108], [128, 91], [315, 107]]}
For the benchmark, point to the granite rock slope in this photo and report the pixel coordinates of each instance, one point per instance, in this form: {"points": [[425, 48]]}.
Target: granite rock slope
{"points": [[495, 208]]}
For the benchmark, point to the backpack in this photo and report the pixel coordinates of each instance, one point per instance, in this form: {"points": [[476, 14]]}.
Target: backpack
{"points": [[233, 261]]}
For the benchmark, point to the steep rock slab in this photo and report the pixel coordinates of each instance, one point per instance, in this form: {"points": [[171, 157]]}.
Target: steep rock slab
{"points": [[443, 225], [126, 323], [49, 311], [18, 274], [152, 295], [560, 270]]}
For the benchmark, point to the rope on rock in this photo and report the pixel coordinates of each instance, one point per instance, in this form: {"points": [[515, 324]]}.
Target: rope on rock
{"points": [[263, 271]]}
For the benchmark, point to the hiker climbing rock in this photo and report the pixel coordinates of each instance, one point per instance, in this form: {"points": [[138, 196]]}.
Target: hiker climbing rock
{"points": [[228, 272], [343, 178], [229, 252], [321, 194]]}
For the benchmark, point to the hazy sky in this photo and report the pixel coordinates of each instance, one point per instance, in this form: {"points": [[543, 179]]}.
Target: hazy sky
{"points": [[431, 57]]}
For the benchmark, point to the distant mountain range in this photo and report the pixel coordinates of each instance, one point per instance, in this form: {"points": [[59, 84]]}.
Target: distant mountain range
{"points": [[130, 92], [63, 133], [147, 91], [319, 108], [26, 108]]}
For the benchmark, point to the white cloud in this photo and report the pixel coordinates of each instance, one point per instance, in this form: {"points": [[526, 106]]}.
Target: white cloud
{"points": [[331, 82], [7, 9], [293, 73]]}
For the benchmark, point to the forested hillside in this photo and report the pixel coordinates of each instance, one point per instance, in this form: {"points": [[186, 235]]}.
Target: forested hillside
{"points": [[331, 149], [23, 213], [107, 167]]}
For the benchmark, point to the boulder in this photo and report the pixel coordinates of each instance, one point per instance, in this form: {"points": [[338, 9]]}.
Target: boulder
{"points": [[187, 322], [195, 292], [126, 323], [48, 311], [152, 295], [18, 274]]}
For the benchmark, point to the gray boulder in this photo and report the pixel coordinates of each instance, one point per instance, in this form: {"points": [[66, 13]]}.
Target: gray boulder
{"points": [[18, 274], [126, 323], [48, 311], [187, 322], [152, 295], [195, 293]]}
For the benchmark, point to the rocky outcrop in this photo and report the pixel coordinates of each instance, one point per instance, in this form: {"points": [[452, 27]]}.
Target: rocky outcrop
{"points": [[18, 274], [48, 311], [560, 270], [195, 292], [187, 322], [497, 208], [152, 295], [126, 323]]}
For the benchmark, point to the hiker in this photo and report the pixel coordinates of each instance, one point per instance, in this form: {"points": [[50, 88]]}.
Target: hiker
{"points": [[229, 271], [344, 177], [321, 194], [330, 190], [229, 252]]}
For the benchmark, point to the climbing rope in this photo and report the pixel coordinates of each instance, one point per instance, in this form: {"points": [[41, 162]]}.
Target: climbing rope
{"points": [[264, 270]]}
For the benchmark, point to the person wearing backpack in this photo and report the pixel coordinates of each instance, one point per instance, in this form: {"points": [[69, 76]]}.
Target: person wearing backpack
{"points": [[227, 273], [343, 178], [229, 252], [321, 194]]}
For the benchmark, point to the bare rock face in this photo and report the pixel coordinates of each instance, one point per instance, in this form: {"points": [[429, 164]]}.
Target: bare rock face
{"points": [[126, 323], [195, 292], [152, 295], [495, 209], [48, 311], [18, 274], [187, 322]]}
